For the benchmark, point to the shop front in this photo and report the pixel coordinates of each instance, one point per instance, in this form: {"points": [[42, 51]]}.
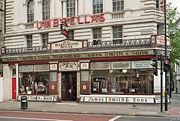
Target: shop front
{"points": [[120, 82], [111, 76], [38, 82]]}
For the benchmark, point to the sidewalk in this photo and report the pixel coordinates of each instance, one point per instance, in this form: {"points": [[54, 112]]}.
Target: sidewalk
{"points": [[87, 108], [98, 108]]}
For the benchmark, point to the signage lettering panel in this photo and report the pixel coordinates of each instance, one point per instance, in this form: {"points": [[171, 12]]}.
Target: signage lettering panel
{"points": [[100, 65], [121, 65], [141, 64], [41, 68], [68, 66], [80, 55], [67, 44], [26, 68]]}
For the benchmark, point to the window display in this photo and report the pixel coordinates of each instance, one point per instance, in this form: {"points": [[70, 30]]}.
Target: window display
{"points": [[33, 83], [99, 81], [132, 81]]}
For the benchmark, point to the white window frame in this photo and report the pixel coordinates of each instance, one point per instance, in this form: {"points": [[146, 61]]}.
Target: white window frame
{"points": [[46, 9], [30, 11], [118, 5], [70, 7], [97, 6]]}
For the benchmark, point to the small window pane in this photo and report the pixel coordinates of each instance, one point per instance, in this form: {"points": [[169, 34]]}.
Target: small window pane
{"points": [[84, 75]]}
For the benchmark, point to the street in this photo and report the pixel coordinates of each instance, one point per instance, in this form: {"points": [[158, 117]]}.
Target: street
{"points": [[44, 116], [146, 118]]}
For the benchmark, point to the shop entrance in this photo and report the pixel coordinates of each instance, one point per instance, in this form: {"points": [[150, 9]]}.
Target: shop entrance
{"points": [[69, 86]]}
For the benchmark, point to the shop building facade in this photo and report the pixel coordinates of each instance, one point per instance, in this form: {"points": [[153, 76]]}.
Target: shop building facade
{"points": [[105, 58]]}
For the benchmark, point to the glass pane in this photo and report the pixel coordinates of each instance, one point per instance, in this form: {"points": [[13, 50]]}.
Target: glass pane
{"points": [[53, 76], [84, 75]]}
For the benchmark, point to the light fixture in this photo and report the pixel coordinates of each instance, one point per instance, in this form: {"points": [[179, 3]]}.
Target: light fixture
{"points": [[124, 70]]}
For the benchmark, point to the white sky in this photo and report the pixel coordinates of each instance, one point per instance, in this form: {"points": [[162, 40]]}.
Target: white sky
{"points": [[175, 3]]}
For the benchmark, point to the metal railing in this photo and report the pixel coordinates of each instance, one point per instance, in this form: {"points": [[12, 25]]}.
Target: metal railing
{"points": [[124, 43], [25, 50]]}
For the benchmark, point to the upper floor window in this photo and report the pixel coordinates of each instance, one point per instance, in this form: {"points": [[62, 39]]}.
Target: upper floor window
{"points": [[97, 6], [46, 9], [29, 41], [118, 5], [97, 36], [117, 34], [30, 11], [157, 4], [70, 7], [70, 34], [45, 38], [160, 29]]}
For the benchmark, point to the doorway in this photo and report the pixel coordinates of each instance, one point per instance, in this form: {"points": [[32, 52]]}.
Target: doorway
{"points": [[69, 86]]}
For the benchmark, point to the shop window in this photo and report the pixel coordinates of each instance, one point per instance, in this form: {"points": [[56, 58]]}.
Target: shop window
{"points": [[131, 82], [33, 83], [99, 81]]}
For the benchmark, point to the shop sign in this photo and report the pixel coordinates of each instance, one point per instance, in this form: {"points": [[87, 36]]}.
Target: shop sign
{"points": [[121, 65], [53, 67], [84, 66], [100, 65], [139, 100], [68, 66], [160, 40], [80, 55], [40, 98], [85, 19], [141, 64], [26, 68], [116, 99], [93, 99], [67, 44], [44, 67]]}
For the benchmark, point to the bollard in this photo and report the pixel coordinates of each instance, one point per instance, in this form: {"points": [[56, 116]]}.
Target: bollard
{"points": [[24, 103]]}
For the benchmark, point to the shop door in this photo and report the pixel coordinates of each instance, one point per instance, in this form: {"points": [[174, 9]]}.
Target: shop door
{"points": [[69, 83], [13, 88]]}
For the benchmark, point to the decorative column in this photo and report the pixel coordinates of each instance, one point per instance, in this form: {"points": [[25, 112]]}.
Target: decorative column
{"points": [[59, 86], [78, 86], [7, 83], [17, 79]]}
